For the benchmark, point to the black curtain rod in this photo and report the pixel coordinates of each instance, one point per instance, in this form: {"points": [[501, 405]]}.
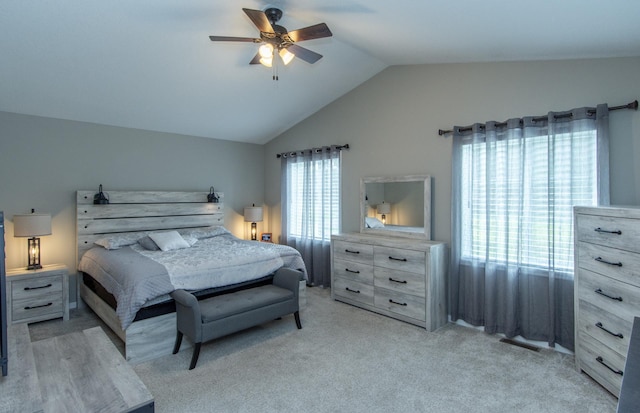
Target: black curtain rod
{"points": [[633, 105], [338, 147]]}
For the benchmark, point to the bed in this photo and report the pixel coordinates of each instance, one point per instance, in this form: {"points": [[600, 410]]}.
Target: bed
{"points": [[126, 279]]}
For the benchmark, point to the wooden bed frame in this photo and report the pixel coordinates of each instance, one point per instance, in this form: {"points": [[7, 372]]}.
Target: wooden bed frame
{"points": [[130, 211]]}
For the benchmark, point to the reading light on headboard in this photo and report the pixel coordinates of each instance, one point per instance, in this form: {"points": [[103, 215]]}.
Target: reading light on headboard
{"points": [[253, 214]]}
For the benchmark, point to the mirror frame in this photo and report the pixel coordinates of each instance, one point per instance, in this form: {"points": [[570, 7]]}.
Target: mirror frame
{"points": [[425, 179]]}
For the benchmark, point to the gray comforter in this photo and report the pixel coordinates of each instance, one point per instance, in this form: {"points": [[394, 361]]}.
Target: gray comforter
{"points": [[137, 277]]}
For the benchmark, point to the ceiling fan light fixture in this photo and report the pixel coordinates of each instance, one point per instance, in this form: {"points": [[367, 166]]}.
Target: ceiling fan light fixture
{"points": [[286, 56], [266, 51], [266, 61]]}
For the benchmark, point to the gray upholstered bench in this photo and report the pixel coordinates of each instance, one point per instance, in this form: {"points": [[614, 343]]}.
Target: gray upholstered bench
{"points": [[218, 316]]}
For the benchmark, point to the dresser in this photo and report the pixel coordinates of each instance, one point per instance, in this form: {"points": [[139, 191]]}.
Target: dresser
{"points": [[400, 278], [607, 290], [36, 295]]}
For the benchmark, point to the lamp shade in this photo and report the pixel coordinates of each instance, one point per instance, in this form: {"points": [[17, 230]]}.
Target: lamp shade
{"points": [[384, 208], [31, 225], [253, 214]]}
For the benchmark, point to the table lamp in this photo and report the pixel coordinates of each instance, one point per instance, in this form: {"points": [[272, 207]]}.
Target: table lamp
{"points": [[253, 214], [32, 225]]}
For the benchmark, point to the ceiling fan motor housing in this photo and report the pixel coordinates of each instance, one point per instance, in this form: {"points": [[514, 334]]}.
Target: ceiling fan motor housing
{"points": [[273, 15]]}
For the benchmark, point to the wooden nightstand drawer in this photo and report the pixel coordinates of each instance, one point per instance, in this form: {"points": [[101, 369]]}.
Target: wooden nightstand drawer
{"points": [[36, 295], [36, 288]]}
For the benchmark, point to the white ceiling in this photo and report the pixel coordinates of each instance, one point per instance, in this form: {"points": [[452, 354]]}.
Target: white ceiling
{"points": [[149, 64]]}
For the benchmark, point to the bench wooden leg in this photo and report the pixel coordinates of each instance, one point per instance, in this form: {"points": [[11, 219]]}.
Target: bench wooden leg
{"points": [[176, 347], [196, 354], [297, 316]]}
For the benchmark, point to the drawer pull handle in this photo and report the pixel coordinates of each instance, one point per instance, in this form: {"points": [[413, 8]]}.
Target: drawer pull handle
{"points": [[617, 264], [599, 291], [397, 303], [352, 252], [397, 281], [397, 259], [601, 361], [352, 291], [37, 288], [601, 327], [352, 271], [37, 306], [618, 232]]}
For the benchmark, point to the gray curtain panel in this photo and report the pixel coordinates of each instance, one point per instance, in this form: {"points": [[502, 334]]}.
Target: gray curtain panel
{"points": [[514, 187], [310, 182]]}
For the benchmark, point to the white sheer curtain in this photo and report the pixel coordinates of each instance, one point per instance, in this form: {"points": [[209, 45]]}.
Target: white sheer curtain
{"points": [[310, 185], [514, 188]]}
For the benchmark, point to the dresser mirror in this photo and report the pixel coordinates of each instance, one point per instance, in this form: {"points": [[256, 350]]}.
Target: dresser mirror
{"points": [[396, 205]]}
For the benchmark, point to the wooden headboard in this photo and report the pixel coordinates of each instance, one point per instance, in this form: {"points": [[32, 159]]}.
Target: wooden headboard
{"points": [[131, 211]]}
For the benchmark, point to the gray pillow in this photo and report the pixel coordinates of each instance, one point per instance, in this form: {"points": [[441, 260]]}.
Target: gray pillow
{"points": [[148, 244]]}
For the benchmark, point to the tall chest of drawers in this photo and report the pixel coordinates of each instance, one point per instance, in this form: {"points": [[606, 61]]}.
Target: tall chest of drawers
{"points": [[397, 277], [607, 290]]}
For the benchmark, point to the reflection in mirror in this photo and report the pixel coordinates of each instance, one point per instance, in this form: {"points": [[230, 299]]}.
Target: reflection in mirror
{"points": [[398, 206]]}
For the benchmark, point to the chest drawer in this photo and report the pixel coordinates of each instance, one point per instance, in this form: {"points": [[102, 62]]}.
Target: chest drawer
{"points": [[606, 327], [609, 295], [353, 290], [400, 259], [400, 281], [399, 303], [622, 265], [600, 362], [615, 232], [353, 270], [353, 251]]}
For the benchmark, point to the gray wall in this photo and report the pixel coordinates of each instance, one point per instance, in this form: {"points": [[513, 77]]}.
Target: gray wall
{"points": [[44, 161], [391, 123]]}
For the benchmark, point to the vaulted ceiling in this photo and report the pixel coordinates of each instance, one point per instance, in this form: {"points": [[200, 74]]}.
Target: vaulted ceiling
{"points": [[149, 64]]}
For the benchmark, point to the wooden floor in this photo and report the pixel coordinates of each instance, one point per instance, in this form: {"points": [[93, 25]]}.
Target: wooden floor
{"points": [[80, 371], [19, 390]]}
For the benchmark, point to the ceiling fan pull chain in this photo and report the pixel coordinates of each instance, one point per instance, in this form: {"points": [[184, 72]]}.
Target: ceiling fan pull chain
{"points": [[275, 68]]}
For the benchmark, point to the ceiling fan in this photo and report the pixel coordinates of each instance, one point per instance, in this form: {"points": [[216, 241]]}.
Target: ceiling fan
{"points": [[276, 39]]}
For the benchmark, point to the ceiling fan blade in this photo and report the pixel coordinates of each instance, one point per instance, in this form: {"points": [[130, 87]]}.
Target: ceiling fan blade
{"points": [[259, 19], [304, 54], [312, 32], [234, 39], [256, 59]]}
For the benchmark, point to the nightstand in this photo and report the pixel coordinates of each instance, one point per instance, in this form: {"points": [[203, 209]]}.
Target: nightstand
{"points": [[36, 295]]}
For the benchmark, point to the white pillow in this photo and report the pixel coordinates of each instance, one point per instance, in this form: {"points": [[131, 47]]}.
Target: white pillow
{"points": [[119, 241], [168, 241], [373, 222], [206, 232]]}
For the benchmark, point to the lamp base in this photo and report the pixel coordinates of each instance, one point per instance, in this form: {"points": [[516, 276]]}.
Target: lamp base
{"points": [[33, 246]]}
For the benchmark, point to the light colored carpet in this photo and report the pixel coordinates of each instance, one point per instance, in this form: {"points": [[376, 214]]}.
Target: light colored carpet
{"points": [[350, 360]]}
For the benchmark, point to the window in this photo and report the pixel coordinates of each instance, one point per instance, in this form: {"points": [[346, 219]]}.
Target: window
{"points": [[519, 209], [313, 188], [310, 183]]}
